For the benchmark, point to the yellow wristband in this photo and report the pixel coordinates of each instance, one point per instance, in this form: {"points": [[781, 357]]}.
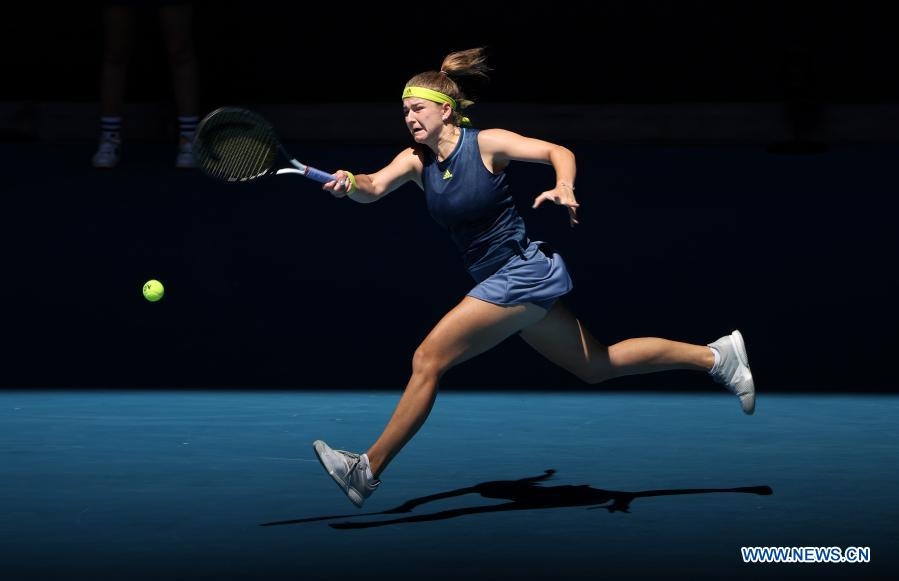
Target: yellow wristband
{"points": [[352, 179]]}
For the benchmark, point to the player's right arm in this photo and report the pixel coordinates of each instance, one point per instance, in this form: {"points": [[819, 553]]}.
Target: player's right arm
{"points": [[366, 188]]}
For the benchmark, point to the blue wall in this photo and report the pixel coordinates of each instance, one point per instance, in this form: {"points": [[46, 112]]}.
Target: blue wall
{"points": [[277, 284]]}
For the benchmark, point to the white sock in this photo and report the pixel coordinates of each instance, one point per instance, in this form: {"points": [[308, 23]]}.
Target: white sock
{"points": [[187, 124], [717, 360], [368, 472], [110, 127], [111, 123]]}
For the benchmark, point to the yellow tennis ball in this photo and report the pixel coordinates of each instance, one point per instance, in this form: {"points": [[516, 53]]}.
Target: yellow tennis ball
{"points": [[153, 290]]}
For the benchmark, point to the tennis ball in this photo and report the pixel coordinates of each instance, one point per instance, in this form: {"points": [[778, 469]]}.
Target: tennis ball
{"points": [[153, 290]]}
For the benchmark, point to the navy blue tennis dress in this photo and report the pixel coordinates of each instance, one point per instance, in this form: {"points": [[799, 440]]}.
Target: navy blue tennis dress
{"points": [[477, 209]]}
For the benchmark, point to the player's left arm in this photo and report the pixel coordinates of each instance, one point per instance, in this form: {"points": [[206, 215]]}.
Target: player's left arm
{"points": [[499, 147]]}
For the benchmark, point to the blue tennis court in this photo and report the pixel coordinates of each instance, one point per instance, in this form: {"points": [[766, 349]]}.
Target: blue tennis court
{"points": [[536, 485]]}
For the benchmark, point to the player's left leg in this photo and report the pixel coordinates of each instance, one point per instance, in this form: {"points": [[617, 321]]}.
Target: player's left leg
{"points": [[563, 339]]}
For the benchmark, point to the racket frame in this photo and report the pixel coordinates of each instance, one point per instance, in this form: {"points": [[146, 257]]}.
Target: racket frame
{"points": [[298, 167]]}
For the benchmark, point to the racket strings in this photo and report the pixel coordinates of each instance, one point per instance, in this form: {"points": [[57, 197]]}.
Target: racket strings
{"points": [[236, 145]]}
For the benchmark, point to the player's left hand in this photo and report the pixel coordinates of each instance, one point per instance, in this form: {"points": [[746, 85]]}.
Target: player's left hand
{"points": [[561, 196]]}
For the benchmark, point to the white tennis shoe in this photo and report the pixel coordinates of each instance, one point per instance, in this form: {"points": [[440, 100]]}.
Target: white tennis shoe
{"points": [[733, 370], [348, 471]]}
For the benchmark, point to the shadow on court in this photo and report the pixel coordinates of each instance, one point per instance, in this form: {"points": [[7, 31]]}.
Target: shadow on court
{"points": [[523, 494]]}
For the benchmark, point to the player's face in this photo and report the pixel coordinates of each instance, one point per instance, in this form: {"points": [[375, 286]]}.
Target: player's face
{"points": [[424, 118]]}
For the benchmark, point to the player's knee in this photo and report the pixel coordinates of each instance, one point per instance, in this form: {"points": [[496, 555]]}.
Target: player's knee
{"points": [[425, 361]]}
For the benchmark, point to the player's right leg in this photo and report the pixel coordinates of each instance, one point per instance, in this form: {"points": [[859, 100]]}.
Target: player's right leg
{"points": [[471, 328]]}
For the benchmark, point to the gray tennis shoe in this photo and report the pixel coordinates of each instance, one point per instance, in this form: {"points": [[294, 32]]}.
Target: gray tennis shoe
{"points": [[348, 471], [733, 369]]}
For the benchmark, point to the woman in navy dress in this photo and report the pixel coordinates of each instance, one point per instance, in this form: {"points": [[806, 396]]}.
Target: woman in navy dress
{"points": [[518, 283]]}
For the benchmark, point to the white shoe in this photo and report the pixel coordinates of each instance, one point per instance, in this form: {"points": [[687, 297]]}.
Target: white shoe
{"points": [[733, 370], [185, 158], [107, 156], [348, 471]]}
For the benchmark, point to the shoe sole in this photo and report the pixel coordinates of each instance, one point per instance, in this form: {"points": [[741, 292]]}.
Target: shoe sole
{"points": [[740, 348], [337, 480]]}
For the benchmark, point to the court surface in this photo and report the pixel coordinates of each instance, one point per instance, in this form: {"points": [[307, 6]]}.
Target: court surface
{"points": [[511, 485]]}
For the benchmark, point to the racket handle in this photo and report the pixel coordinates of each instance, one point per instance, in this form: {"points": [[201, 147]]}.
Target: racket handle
{"points": [[310, 172], [319, 175]]}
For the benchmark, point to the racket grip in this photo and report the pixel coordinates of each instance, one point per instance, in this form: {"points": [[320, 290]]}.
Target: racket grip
{"points": [[319, 175]]}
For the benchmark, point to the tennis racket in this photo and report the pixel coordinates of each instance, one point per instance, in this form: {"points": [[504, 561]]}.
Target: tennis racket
{"points": [[237, 145]]}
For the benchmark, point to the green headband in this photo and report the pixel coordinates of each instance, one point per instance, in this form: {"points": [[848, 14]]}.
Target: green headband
{"points": [[437, 97], [430, 95]]}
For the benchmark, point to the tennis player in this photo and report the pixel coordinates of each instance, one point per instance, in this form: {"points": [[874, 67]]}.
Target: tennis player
{"points": [[518, 282]]}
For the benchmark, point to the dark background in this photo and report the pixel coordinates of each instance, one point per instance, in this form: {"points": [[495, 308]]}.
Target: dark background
{"points": [[642, 51], [272, 285]]}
